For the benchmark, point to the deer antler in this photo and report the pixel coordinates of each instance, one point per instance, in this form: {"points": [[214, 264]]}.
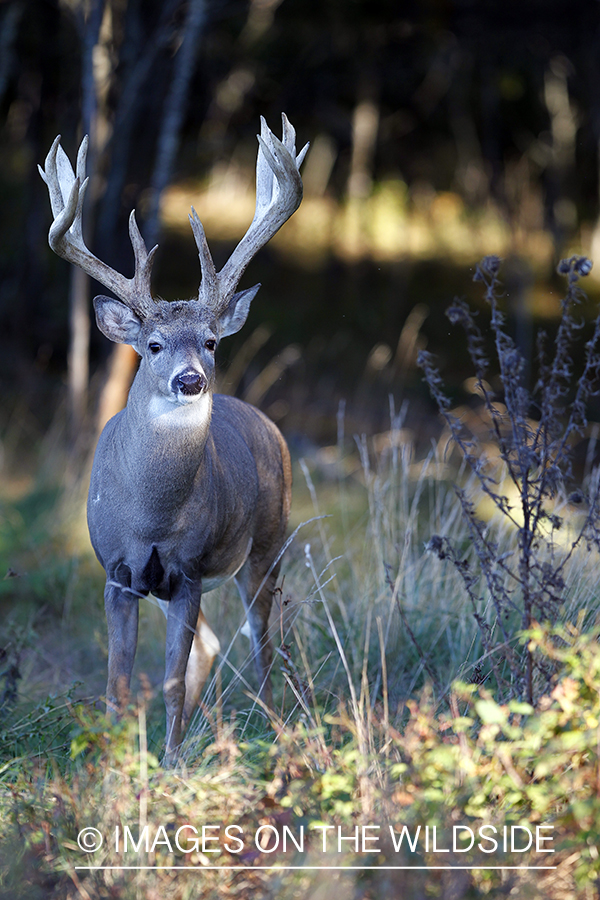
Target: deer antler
{"points": [[278, 196], [67, 192]]}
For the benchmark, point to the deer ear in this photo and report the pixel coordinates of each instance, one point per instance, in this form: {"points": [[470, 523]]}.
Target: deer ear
{"points": [[117, 321], [235, 315]]}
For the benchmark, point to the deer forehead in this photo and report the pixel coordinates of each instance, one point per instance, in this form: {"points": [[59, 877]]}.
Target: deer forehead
{"points": [[180, 319]]}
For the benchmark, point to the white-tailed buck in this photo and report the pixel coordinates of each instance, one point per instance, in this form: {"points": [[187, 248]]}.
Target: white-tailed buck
{"points": [[188, 488]]}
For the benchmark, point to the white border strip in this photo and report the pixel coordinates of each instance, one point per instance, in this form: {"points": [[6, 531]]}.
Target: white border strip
{"points": [[312, 868]]}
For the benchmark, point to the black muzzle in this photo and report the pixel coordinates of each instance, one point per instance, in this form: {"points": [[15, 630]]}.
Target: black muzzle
{"points": [[190, 383]]}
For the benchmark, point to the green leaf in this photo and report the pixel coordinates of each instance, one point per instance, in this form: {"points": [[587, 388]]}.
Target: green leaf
{"points": [[490, 712]]}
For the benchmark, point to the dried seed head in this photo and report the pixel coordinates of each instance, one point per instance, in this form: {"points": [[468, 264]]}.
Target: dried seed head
{"points": [[580, 265], [583, 265]]}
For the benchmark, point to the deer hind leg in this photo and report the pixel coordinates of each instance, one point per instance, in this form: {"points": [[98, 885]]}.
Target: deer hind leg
{"points": [[258, 608], [205, 647]]}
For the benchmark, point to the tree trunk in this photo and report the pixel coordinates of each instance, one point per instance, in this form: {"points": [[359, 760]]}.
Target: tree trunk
{"points": [[121, 371], [79, 315], [175, 105]]}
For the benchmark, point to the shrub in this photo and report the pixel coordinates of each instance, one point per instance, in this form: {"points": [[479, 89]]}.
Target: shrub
{"points": [[523, 465]]}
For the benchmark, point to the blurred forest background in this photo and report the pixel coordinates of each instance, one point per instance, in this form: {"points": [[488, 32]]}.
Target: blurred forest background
{"points": [[441, 130]]}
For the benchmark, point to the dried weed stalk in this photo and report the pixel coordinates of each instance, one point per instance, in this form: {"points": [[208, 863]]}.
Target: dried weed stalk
{"points": [[533, 432]]}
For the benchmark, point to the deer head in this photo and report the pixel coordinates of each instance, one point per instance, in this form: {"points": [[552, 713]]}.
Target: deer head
{"points": [[153, 326]]}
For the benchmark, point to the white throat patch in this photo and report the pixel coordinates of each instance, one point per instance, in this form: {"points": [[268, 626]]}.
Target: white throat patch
{"points": [[170, 414]]}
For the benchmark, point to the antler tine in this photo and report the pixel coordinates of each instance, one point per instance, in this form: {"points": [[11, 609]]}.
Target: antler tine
{"points": [[208, 285], [141, 281], [289, 140], [278, 196], [65, 237]]}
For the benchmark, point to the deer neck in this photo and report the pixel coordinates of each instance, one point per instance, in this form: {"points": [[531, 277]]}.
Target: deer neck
{"points": [[167, 442]]}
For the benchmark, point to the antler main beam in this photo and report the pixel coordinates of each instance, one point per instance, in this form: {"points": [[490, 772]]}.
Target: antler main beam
{"points": [[278, 196], [67, 192]]}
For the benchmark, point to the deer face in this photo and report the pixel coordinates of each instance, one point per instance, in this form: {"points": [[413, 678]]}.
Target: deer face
{"points": [[178, 346], [177, 341]]}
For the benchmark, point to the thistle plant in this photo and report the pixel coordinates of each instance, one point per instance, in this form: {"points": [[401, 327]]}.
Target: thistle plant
{"points": [[528, 478]]}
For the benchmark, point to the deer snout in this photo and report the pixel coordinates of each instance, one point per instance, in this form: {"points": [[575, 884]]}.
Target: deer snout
{"points": [[190, 383]]}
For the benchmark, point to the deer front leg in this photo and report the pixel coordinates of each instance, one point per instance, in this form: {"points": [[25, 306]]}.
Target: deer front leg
{"points": [[184, 607], [121, 609]]}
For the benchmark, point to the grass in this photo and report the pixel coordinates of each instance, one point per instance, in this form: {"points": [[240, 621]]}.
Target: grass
{"points": [[375, 632]]}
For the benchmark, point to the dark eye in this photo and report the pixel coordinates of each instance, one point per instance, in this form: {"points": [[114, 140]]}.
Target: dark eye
{"points": [[211, 345], [154, 347]]}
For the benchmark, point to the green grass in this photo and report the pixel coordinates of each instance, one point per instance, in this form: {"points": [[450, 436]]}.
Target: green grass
{"points": [[358, 586]]}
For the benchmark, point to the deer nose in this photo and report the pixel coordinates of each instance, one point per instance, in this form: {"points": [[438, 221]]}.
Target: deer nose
{"points": [[191, 382]]}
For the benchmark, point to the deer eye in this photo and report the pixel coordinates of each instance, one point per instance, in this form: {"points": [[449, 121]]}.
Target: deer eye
{"points": [[211, 345], [154, 347]]}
